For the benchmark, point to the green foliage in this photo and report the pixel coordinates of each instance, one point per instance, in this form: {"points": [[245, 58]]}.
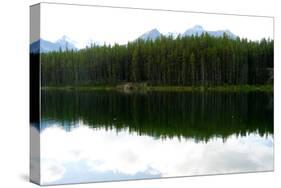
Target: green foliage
{"points": [[198, 115], [184, 61]]}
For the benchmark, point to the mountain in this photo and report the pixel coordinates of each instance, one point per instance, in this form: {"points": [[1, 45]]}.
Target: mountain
{"points": [[196, 30], [199, 30], [219, 33], [45, 46], [150, 35], [42, 45], [66, 43]]}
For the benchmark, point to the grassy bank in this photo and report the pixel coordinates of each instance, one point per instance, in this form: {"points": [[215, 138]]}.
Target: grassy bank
{"points": [[140, 87]]}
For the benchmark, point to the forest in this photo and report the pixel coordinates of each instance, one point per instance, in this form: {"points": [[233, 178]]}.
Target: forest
{"points": [[183, 61]]}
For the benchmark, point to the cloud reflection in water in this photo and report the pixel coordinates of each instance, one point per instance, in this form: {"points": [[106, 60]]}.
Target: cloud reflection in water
{"points": [[86, 154]]}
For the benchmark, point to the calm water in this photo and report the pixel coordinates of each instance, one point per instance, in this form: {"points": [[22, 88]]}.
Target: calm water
{"points": [[99, 136]]}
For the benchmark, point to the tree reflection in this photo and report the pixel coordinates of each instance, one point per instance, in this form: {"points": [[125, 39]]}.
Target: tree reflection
{"points": [[198, 115]]}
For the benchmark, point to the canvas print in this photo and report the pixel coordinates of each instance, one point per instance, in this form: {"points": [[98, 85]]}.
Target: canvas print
{"points": [[129, 93]]}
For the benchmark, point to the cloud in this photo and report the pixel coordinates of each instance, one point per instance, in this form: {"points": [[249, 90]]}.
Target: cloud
{"points": [[51, 171], [129, 154]]}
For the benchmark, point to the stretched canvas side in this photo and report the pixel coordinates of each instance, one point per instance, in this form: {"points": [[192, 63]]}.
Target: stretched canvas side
{"points": [[34, 82]]}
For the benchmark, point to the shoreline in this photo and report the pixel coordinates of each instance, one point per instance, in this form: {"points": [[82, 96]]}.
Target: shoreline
{"points": [[145, 88]]}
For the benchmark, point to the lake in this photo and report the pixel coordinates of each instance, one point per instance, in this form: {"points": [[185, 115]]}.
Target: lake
{"points": [[91, 136]]}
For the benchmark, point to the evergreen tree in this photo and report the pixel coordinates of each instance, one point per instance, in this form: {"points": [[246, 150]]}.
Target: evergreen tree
{"points": [[188, 61]]}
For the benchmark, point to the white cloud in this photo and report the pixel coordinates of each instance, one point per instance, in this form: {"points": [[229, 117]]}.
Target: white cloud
{"points": [[51, 170], [105, 151]]}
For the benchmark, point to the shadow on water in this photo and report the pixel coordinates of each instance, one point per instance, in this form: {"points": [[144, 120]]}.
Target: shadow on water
{"points": [[197, 115]]}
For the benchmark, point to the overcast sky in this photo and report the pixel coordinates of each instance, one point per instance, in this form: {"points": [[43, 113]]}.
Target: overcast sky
{"points": [[116, 25]]}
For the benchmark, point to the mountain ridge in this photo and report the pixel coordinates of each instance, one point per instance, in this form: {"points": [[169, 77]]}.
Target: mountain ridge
{"points": [[44, 46], [64, 43], [196, 30]]}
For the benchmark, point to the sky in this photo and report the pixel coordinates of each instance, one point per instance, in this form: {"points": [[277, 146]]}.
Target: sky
{"points": [[116, 25]]}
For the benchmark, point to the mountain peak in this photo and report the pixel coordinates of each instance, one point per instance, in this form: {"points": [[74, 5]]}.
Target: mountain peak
{"points": [[195, 30], [45, 46], [198, 30], [198, 27], [154, 31], [66, 42], [151, 35]]}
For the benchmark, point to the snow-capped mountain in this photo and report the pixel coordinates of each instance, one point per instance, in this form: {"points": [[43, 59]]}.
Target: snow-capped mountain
{"points": [[45, 46], [150, 35], [66, 43], [219, 33], [196, 30], [199, 30]]}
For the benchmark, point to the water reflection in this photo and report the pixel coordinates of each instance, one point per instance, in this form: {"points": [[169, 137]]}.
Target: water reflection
{"points": [[161, 115], [99, 136]]}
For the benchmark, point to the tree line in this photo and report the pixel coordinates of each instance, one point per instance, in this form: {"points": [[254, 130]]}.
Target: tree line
{"points": [[201, 116], [183, 61]]}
